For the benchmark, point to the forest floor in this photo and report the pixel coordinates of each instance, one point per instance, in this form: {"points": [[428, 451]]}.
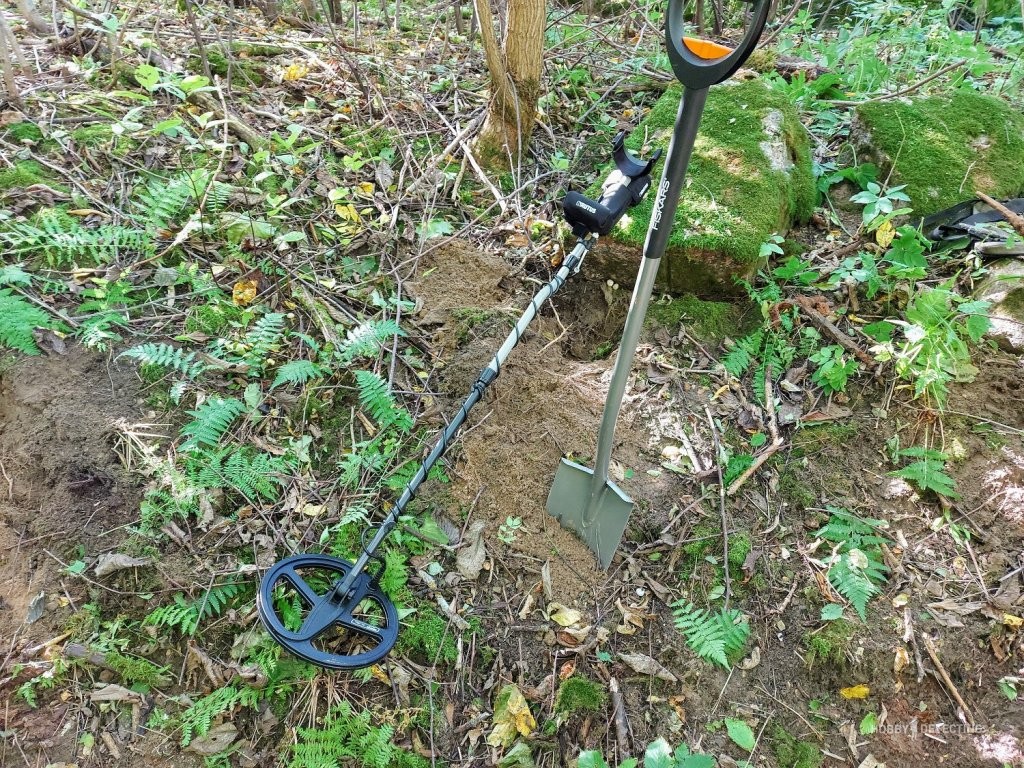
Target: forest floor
{"points": [[99, 530]]}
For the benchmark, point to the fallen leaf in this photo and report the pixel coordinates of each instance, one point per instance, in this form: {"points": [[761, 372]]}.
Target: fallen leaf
{"points": [[294, 71], [216, 740], [855, 692], [752, 660], [113, 692], [645, 665], [473, 553], [567, 669], [885, 234], [871, 762], [1012, 621], [511, 716], [244, 292], [901, 661], [112, 562], [562, 615]]}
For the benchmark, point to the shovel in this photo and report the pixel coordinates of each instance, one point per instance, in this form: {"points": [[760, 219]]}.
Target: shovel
{"points": [[585, 500]]}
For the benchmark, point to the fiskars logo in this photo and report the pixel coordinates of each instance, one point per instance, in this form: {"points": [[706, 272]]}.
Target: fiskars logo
{"points": [[659, 202]]}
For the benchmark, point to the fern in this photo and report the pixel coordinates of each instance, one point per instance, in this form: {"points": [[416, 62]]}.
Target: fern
{"points": [[186, 615], [395, 574], [297, 372], [18, 320], [210, 421], [263, 338], [62, 244], [350, 738], [367, 339], [375, 398], [166, 356], [739, 359], [165, 201], [254, 475], [928, 473], [714, 636], [856, 568], [197, 719]]}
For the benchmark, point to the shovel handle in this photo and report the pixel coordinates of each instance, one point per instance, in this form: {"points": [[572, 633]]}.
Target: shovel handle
{"points": [[698, 63]]}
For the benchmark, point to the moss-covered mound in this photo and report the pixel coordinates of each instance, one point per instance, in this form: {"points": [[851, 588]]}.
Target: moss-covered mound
{"points": [[750, 176], [944, 148]]}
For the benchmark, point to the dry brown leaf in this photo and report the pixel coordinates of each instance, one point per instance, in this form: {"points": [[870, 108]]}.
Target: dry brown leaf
{"points": [[645, 665], [473, 553], [115, 561]]}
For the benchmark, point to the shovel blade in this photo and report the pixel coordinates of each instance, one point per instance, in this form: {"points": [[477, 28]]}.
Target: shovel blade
{"points": [[599, 520]]}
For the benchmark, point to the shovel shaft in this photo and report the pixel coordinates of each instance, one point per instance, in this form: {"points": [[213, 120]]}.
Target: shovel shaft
{"points": [[681, 147]]}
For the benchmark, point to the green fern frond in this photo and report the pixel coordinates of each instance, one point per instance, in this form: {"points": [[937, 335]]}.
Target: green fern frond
{"points": [[263, 338], [18, 320], [197, 719], [350, 738], [186, 615], [367, 339], [856, 569], [166, 356], [928, 473], [297, 373], [62, 244], [166, 201], [712, 636], [254, 474], [210, 421], [740, 357], [375, 398]]}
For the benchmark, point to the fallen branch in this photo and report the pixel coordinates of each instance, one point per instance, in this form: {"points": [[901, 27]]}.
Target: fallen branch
{"points": [[933, 654], [772, 449], [827, 326], [1015, 220], [619, 712]]}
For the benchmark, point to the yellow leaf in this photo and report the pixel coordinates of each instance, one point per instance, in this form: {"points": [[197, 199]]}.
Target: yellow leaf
{"points": [[366, 187], [1012, 621], [885, 233], [87, 212], [511, 716], [294, 71], [855, 692], [562, 615], [244, 292], [901, 661], [378, 673], [347, 212]]}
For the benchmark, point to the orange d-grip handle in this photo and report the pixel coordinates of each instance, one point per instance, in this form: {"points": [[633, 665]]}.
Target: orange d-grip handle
{"points": [[700, 63], [706, 49]]}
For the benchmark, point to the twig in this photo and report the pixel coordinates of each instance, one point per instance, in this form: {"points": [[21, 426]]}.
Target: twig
{"points": [[929, 646], [773, 427], [826, 325], [721, 504], [621, 726], [1015, 220], [458, 140], [896, 94]]}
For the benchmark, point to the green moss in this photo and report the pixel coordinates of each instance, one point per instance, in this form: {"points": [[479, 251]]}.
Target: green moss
{"points": [[136, 671], [791, 752], [25, 173], [708, 320], [24, 131], [830, 645], [945, 148], [734, 199], [822, 435], [429, 637], [469, 318], [578, 694], [739, 548], [211, 319], [92, 135], [795, 491]]}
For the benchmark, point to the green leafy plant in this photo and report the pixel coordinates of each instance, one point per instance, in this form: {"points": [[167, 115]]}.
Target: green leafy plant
{"points": [[296, 373], [855, 566], [927, 472], [880, 205], [833, 369], [934, 350], [713, 635], [210, 421], [18, 320], [198, 718], [349, 737], [186, 615], [509, 530]]}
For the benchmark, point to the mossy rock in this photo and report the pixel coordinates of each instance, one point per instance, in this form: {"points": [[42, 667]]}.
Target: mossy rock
{"points": [[943, 148], [749, 176], [1004, 287], [707, 320]]}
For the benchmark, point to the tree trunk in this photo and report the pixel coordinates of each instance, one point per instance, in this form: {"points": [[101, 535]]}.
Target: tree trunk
{"points": [[515, 70]]}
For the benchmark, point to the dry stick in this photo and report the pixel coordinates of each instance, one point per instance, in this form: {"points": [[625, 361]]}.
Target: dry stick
{"points": [[1015, 220], [826, 325], [896, 94], [721, 504], [773, 427], [457, 141], [619, 712], [929, 646]]}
